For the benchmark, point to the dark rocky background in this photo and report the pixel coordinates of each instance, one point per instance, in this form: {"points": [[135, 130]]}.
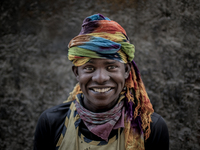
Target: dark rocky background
{"points": [[35, 73]]}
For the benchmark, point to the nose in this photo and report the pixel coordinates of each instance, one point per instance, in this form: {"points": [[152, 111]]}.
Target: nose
{"points": [[100, 76]]}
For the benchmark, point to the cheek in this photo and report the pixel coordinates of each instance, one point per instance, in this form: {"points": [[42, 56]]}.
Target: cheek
{"points": [[84, 80], [120, 80]]}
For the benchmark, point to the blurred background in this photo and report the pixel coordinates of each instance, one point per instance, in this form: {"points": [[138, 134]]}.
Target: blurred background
{"points": [[35, 73]]}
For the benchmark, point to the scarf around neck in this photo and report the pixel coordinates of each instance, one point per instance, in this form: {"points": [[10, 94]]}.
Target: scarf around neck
{"points": [[101, 124]]}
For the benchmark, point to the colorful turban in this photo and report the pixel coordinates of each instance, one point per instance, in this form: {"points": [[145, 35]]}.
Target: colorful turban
{"points": [[101, 37]]}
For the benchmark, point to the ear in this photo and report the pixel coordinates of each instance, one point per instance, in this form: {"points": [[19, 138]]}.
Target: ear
{"points": [[127, 70], [75, 71]]}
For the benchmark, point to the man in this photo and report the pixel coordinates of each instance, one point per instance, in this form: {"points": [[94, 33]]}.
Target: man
{"points": [[109, 107]]}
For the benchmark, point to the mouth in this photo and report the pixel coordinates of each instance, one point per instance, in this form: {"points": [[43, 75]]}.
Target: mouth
{"points": [[101, 90]]}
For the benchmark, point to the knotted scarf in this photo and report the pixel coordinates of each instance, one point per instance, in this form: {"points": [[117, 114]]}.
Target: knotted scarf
{"points": [[101, 37]]}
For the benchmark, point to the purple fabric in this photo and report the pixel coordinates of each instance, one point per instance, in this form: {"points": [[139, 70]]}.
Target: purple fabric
{"points": [[136, 71], [91, 23], [137, 122], [101, 124], [89, 27]]}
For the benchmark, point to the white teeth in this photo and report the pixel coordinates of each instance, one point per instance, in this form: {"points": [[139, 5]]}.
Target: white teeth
{"points": [[101, 90]]}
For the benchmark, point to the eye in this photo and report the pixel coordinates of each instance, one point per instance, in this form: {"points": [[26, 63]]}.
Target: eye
{"points": [[112, 67], [89, 68]]}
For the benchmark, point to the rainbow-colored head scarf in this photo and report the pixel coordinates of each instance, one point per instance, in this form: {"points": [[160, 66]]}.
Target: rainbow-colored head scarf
{"points": [[101, 37]]}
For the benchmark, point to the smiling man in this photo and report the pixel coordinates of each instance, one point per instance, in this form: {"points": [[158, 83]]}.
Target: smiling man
{"points": [[101, 81], [109, 107]]}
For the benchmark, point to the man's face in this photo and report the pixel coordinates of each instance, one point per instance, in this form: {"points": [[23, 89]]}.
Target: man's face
{"points": [[101, 81]]}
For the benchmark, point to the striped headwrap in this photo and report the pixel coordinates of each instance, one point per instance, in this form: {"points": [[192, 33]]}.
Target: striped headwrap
{"points": [[101, 37]]}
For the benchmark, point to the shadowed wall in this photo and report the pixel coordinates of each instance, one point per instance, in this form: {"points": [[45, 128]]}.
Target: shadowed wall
{"points": [[35, 73]]}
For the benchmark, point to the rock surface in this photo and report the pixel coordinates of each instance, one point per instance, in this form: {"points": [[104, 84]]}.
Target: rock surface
{"points": [[36, 75]]}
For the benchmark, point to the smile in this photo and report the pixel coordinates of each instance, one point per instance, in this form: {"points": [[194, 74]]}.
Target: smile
{"points": [[102, 90]]}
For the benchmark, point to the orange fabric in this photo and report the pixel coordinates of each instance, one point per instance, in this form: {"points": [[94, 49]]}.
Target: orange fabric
{"points": [[109, 26]]}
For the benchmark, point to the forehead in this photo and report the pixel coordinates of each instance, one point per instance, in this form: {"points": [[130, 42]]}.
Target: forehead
{"points": [[103, 61]]}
